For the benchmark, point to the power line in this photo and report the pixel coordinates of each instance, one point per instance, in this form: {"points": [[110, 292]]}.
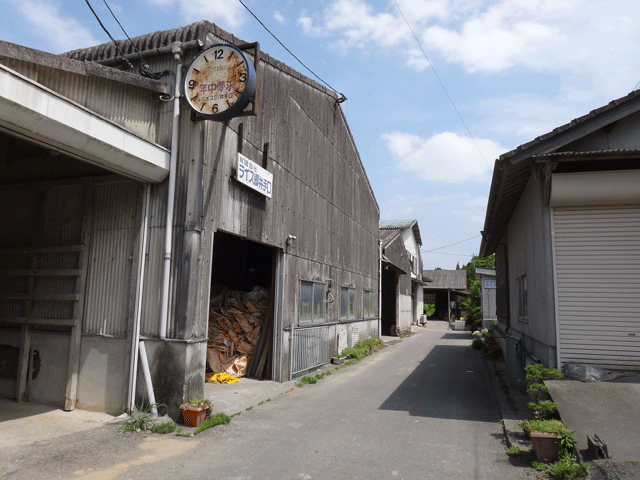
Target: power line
{"points": [[144, 67], [453, 254], [442, 84], [107, 32], [450, 245], [341, 98]]}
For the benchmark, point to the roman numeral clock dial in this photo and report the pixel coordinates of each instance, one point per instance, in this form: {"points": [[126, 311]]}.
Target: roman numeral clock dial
{"points": [[220, 82]]}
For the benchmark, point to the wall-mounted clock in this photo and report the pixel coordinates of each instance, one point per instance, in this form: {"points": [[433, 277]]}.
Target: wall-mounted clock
{"points": [[220, 82]]}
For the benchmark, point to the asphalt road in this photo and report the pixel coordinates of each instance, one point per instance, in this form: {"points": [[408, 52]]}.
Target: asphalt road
{"points": [[420, 408]]}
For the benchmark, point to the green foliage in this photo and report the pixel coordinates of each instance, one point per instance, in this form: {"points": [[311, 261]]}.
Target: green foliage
{"points": [[198, 402], [472, 305], [544, 408], [537, 388], [567, 441], [429, 309], [513, 451], [485, 262], [362, 349], [139, 420], [164, 427], [307, 380], [567, 467], [212, 421], [477, 343], [545, 426], [538, 466], [537, 372]]}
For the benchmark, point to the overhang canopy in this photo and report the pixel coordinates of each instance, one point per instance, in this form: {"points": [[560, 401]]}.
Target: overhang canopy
{"points": [[36, 113]]}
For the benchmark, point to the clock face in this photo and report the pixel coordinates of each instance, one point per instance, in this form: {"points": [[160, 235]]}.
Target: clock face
{"points": [[220, 82]]}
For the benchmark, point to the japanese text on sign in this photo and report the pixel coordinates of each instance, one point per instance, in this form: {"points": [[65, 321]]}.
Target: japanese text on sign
{"points": [[254, 176]]}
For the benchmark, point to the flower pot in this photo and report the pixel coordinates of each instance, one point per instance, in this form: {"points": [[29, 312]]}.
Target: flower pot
{"points": [[545, 446], [194, 416], [338, 360]]}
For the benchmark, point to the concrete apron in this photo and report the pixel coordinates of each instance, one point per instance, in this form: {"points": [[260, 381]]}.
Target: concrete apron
{"points": [[248, 392], [610, 409], [25, 423]]}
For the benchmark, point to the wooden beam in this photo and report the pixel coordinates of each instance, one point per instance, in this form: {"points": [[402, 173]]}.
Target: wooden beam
{"points": [[23, 363]]}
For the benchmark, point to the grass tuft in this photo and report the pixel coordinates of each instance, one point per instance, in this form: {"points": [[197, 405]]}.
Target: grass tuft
{"points": [[164, 427], [212, 421]]}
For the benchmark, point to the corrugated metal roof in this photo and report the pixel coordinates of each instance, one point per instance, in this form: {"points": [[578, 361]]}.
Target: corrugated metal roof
{"points": [[401, 225], [513, 169], [387, 236], [446, 279], [595, 154]]}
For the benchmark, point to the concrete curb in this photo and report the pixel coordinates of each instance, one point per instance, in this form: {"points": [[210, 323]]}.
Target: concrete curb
{"points": [[512, 403]]}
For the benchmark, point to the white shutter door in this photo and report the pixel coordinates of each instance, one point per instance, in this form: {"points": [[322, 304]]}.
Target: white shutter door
{"points": [[597, 271]]}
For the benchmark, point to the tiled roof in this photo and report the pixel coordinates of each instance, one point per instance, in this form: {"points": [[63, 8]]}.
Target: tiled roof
{"points": [[402, 225], [513, 169], [446, 279]]}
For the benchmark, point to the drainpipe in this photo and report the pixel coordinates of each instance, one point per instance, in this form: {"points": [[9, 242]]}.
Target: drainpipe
{"points": [[168, 239], [147, 378], [137, 315], [379, 288]]}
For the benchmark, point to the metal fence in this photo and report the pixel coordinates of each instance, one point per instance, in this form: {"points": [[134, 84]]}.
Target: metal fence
{"points": [[310, 348], [515, 361]]}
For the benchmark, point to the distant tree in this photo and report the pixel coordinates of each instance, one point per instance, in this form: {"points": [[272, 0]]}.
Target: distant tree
{"points": [[472, 305], [458, 266]]}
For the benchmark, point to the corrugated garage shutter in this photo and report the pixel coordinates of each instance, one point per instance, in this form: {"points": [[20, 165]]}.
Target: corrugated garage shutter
{"points": [[597, 270]]}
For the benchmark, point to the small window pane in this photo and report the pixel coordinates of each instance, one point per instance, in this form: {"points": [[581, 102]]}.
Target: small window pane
{"points": [[344, 302], [352, 303], [306, 301], [369, 303], [318, 301]]}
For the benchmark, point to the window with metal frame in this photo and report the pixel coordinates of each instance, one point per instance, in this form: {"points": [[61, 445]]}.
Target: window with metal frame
{"points": [[312, 302], [369, 304], [347, 303]]}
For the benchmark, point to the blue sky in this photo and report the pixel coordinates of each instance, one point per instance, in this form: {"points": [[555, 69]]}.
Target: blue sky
{"points": [[514, 70]]}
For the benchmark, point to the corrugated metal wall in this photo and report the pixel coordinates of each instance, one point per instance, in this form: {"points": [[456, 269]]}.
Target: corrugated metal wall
{"points": [[597, 260], [108, 297]]}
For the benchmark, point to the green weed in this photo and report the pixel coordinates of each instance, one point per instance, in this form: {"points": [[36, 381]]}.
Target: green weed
{"points": [[164, 427], [212, 421], [513, 451]]}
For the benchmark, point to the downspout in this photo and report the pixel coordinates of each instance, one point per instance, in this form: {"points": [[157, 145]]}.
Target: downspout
{"points": [[168, 238], [379, 288], [137, 314]]}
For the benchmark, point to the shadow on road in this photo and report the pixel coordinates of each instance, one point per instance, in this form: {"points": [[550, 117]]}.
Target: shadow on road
{"points": [[450, 382]]}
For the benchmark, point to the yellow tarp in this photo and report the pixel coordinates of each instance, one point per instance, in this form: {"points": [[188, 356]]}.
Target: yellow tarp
{"points": [[220, 378]]}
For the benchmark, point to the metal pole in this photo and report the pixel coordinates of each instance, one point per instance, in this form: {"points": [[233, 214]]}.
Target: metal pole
{"points": [[133, 368], [168, 239]]}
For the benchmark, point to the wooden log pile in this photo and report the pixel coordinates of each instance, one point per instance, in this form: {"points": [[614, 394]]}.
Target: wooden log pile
{"points": [[235, 322]]}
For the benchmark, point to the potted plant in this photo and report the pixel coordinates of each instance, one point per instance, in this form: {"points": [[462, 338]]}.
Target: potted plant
{"points": [[538, 392], [544, 436], [195, 411]]}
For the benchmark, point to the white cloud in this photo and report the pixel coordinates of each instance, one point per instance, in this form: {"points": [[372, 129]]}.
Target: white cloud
{"points": [[583, 41], [228, 15], [486, 44], [47, 22], [309, 27], [357, 25], [417, 60], [278, 17], [444, 157]]}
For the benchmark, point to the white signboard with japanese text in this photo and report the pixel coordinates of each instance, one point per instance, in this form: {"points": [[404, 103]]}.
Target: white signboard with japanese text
{"points": [[254, 176]]}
